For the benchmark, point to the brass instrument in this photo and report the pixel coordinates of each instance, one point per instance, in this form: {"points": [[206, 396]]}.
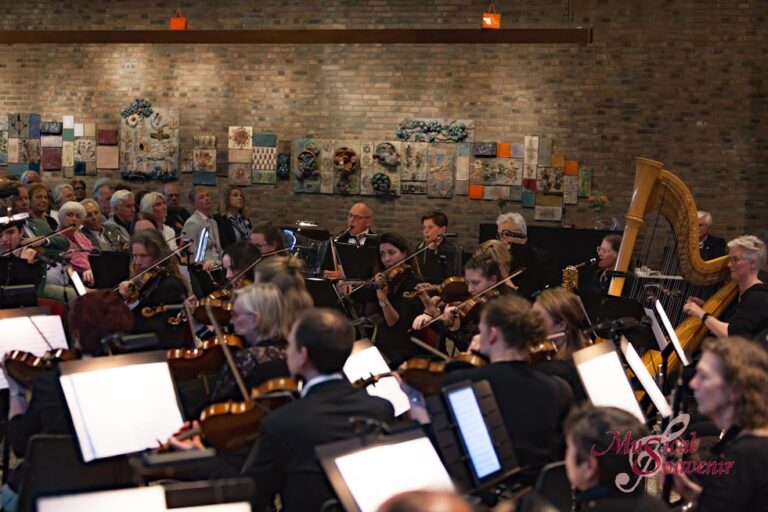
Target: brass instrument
{"points": [[571, 275], [658, 190]]}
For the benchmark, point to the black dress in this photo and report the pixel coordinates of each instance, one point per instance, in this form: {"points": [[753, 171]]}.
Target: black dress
{"points": [[750, 315], [162, 289], [395, 342]]}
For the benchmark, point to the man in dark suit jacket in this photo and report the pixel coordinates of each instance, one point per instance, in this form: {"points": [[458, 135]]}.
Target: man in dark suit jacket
{"points": [[284, 459], [710, 247]]}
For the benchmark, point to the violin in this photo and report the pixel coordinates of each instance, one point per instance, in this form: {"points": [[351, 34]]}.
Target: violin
{"points": [[452, 289], [542, 351], [25, 367], [187, 364], [136, 284]]}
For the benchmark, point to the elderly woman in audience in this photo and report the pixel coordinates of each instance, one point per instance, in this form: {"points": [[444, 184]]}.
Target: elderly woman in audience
{"points": [[40, 222], [154, 203], [72, 214], [61, 193], [78, 186], [731, 388], [746, 256]]}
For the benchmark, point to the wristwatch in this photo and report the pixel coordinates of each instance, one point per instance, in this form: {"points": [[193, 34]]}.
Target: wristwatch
{"points": [[705, 316], [384, 303]]}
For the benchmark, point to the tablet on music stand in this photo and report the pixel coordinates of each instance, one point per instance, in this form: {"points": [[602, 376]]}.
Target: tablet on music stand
{"points": [[358, 261], [604, 380], [366, 471], [120, 404]]}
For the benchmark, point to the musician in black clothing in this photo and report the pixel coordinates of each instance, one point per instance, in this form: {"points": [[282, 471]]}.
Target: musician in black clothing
{"points": [[267, 237], [442, 259], [541, 270], [158, 287], [710, 247], [22, 266], [594, 279], [589, 430], [392, 335], [746, 256], [730, 388]]}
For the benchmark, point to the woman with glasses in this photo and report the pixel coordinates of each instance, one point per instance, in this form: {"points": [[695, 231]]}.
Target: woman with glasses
{"points": [[595, 279], [267, 237], [746, 256]]}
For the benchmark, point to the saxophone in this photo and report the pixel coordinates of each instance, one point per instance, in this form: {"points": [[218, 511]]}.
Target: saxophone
{"points": [[571, 275]]}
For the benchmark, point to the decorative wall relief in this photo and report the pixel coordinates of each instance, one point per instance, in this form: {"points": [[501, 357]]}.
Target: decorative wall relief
{"points": [[204, 141], [548, 207], [85, 150], [487, 149], [240, 137], [346, 163], [496, 171], [585, 182], [51, 141], [434, 130], [29, 151], [204, 160], [549, 180], [283, 160], [306, 157], [50, 128], [149, 142], [34, 126], [204, 156], [413, 158], [239, 174], [3, 139], [68, 155], [18, 125], [440, 175], [386, 163]]}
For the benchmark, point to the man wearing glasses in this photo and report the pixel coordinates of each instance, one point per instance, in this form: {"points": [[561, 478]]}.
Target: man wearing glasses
{"points": [[540, 270], [359, 220]]}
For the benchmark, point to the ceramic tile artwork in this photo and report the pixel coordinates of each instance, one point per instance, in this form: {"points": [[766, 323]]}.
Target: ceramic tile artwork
{"points": [[51, 141], [346, 167], [79, 130], [29, 151], [106, 137], [306, 165], [34, 126], [68, 155], [413, 158], [436, 130], [549, 180], [531, 151], [463, 150], [50, 128], [263, 158], [264, 177], [327, 168], [264, 140], [107, 157], [240, 137], [570, 189], [461, 187], [528, 198], [85, 150], [206, 178], [413, 187], [545, 152], [496, 193], [283, 165], [51, 159], [496, 171], [388, 164], [80, 168], [366, 167], [18, 127], [515, 193], [149, 146], [68, 134], [204, 141], [3, 146], [68, 121], [89, 129], [239, 174], [17, 169], [204, 160], [585, 182], [548, 207], [440, 175], [484, 149], [518, 150], [239, 156], [13, 150]]}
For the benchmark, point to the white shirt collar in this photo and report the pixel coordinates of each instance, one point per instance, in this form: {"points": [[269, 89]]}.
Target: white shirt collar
{"points": [[319, 380]]}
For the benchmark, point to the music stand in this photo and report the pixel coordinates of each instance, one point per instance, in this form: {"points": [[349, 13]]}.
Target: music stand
{"points": [[110, 268], [365, 471], [358, 261], [612, 312], [18, 296], [324, 293]]}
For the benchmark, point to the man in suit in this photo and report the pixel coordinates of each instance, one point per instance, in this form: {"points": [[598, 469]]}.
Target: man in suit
{"points": [[710, 247], [442, 259], [284, 460], [201, 218], [593, 461], [541, 270]]}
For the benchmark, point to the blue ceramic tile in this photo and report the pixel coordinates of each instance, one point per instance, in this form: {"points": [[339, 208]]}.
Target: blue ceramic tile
{"points": [[34, 126], [264, 140]]}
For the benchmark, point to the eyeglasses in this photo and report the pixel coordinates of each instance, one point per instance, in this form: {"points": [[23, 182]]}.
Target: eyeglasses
{"points": [[600, 250], [355, 218], [510, 234]]}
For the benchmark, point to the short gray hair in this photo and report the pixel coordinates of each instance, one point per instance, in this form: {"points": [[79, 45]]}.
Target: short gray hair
{"points": [[72, 206], [57, 190], [149, 200], [101, 183], [751, 247], [119, 198], [515, 218], [705, 216], [85, 202]]}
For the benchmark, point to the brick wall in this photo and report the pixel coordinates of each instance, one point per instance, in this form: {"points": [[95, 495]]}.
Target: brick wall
{"points": [[682, 82]]}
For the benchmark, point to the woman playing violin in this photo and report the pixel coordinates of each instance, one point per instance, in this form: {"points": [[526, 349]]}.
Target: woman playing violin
{"points": [[562, 313], [256, 317], [158, 286], [392, 336], [20, 266], [238, 257]]}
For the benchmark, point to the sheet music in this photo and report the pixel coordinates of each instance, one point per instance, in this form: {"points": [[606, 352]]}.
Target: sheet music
{"points": [[661, 340], [146, 499], [22, 335], [364, 363], [122, 410], [376, 474], [671, 332], [474, 432], [641, 372], [607, 385]]}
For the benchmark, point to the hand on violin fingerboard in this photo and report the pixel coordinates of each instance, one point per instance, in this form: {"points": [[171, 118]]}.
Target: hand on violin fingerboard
{"points": [[382, 286]]}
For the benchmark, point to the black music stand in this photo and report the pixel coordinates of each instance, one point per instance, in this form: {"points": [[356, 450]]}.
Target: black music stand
{"points": [[324, 293], [18, 296], [358, 261], [110, 268], [611, 316]]}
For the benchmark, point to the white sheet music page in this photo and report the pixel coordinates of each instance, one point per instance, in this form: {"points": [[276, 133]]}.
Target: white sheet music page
{"points": [[658, 334], [364, 363], [146, 499], [671, 332], [642, 374], [122, 410], [607, 385], [20, 334]]}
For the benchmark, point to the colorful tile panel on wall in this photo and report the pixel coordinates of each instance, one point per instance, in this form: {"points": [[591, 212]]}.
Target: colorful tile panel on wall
{"points": [[440, 173], [306, 165], [436, 130], [149, 144]]}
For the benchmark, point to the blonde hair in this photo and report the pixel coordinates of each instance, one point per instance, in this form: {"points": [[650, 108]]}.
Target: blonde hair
{"points": [[265, 300], [563, 306], [225, 201], [751, 247], [499, 252], [285, 273]]}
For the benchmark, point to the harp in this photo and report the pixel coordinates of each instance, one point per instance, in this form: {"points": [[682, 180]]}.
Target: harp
{"points": [[659, 192]]}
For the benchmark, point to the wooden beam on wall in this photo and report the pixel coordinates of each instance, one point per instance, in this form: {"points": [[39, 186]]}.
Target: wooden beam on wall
{"points": [[278, 37]]}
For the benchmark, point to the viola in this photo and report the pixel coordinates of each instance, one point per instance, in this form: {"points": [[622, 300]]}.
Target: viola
{"points": [[187, 364], [232, 425], [452, 289], [25, 367]]}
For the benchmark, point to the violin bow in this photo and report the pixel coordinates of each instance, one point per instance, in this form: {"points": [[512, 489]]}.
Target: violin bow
{"points": [[29, 244], [157, 263]]}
